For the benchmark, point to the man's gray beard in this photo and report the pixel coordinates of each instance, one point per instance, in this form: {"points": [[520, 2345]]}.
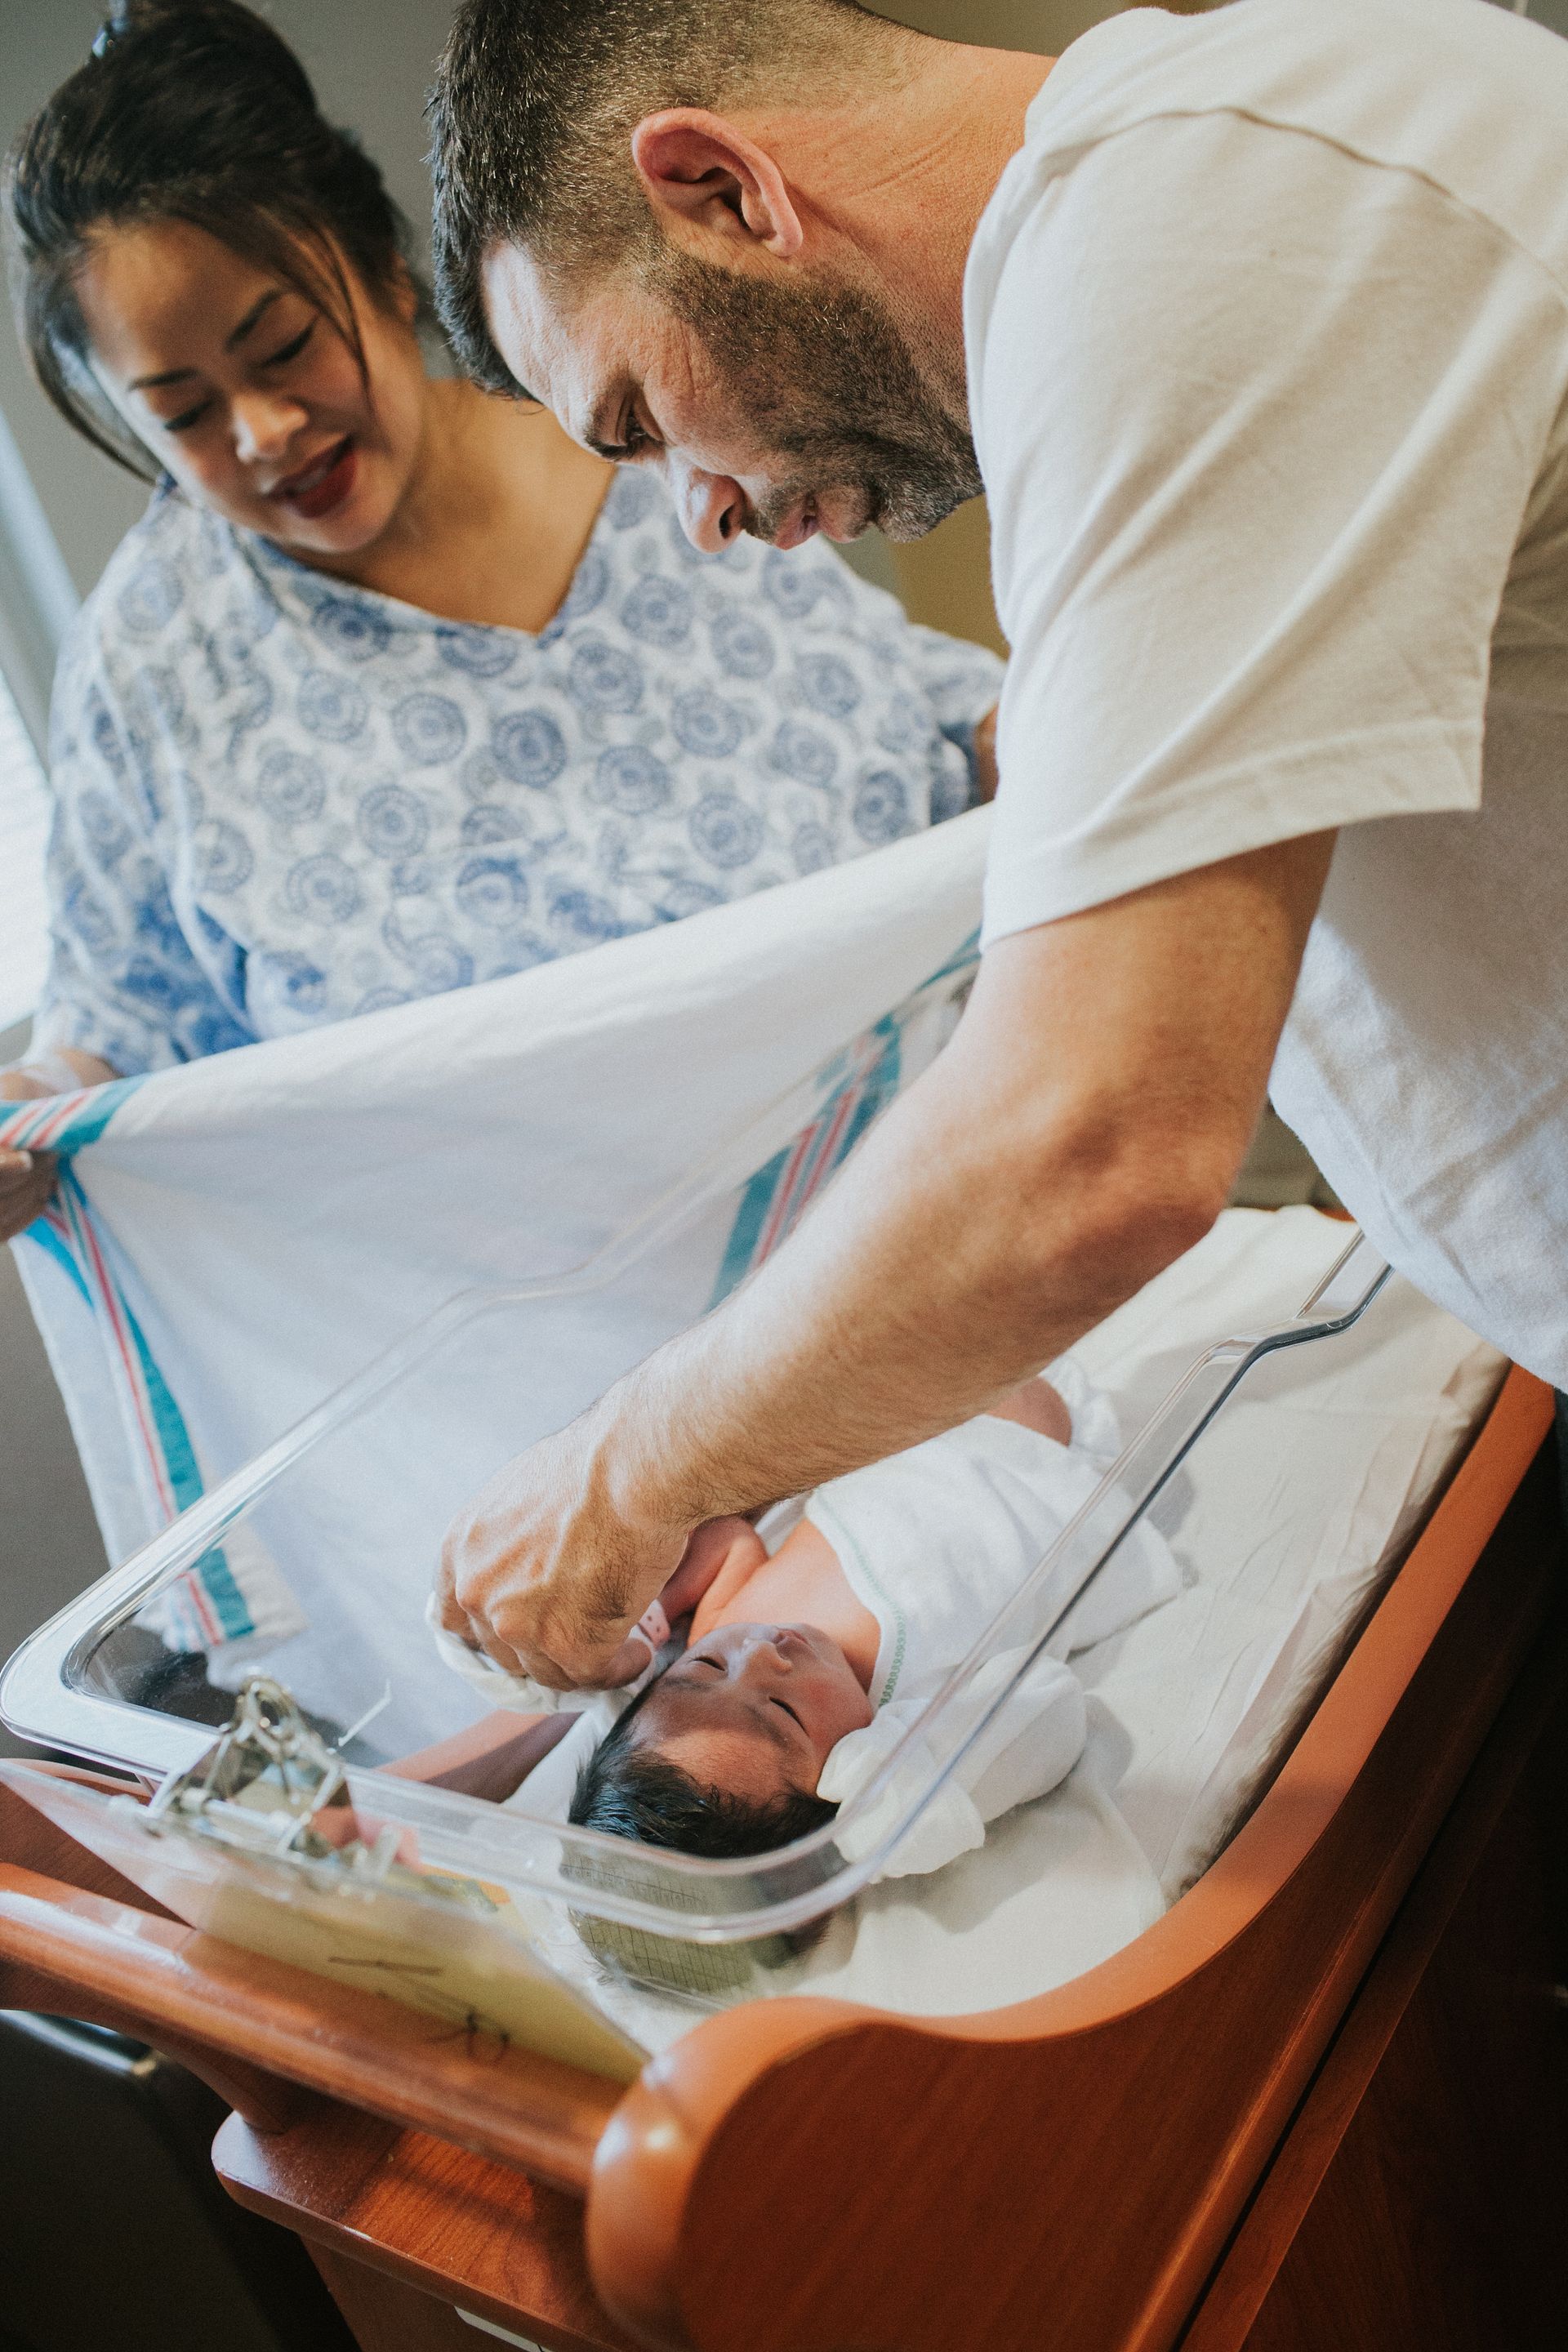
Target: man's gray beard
{"points": [[804, 366]]}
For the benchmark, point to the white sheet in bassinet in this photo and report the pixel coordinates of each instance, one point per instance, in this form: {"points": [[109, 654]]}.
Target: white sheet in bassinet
{"points": [[1197, 1703]]}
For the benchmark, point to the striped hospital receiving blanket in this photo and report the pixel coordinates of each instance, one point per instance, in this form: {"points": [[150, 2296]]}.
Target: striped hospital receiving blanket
{"points": [[232, 1239]]}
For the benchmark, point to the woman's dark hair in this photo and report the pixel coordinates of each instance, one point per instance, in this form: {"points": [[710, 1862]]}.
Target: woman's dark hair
{"points": [[189, 110]]}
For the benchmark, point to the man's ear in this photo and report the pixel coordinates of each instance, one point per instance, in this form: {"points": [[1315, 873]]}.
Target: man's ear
{"points": [[697, 167]]}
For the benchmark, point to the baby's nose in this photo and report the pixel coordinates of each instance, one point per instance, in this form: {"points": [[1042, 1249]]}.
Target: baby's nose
{"points": [[761, 1652]]}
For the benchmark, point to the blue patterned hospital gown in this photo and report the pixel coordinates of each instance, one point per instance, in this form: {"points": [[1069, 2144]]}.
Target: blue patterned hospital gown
{"points": [[282, 800]]}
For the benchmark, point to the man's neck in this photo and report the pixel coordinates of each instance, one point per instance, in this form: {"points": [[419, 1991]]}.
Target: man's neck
{"points": [[895, 192]]}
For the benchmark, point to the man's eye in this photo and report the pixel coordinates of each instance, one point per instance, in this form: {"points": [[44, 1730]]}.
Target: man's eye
{"points": [[186, 417], [717, 1663], [635, 438], [291, 351], [790, 1712]]}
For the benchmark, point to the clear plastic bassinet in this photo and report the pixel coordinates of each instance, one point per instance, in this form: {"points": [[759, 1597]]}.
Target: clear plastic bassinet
{"points": [[99, 1683]]}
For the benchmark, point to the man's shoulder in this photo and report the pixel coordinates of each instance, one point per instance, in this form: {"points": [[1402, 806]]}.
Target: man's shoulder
{"points": [[1352, 59], [1457, 94]]}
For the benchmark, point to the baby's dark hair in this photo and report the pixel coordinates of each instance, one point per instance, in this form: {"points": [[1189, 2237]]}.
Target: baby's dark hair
{"points": [[634, 1792], [190, 110]]}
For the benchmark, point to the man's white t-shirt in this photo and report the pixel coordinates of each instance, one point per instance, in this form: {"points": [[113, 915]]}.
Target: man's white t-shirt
{"points": [[1267, 333]]}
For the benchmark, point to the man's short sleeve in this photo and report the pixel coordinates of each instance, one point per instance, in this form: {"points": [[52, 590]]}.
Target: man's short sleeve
{"points": [[1259, 422]]}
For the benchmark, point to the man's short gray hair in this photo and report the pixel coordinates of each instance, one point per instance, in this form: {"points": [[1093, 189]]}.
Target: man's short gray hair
{"points": [[535, 102]]}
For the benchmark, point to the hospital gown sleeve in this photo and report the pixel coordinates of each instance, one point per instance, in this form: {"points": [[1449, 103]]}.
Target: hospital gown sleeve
{"points": [[123, 981]]}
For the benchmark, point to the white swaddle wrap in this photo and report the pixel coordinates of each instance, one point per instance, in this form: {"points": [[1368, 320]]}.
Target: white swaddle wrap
{"points": [[935, 1541]]}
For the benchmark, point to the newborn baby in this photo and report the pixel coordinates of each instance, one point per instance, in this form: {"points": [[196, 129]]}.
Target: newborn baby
{"points": [[803, 1669]]}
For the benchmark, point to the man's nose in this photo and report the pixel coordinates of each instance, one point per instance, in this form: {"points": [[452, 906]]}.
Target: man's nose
{"points": [[264, 425], [712, 510]]}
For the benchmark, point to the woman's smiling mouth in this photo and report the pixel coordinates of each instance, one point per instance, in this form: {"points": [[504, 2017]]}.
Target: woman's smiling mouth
{"points": [[316, 488]]}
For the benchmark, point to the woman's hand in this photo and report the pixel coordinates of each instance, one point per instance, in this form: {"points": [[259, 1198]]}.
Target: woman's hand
{"points": [[546, 1572], [27, 1178], [985, 769]]}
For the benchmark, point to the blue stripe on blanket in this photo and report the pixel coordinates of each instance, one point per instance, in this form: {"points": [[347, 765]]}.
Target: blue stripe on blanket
{"points": [[212, 1571], [27, 1126], [208, 1596], [779, 1194], [42, 1236]]}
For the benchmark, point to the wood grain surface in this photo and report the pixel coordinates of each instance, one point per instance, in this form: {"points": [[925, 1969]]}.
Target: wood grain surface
{"points": [[425, 2216], [87, 1955], [1418, 2202], [790, 2178]]}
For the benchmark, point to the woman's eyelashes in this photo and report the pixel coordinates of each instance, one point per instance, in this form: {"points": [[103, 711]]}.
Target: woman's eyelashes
{"points": [[292, 350]]}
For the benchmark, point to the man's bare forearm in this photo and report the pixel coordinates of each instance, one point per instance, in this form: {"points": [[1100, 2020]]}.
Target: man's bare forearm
{"points": [[949, 1262], [1084, 1127], [1028, 1185]]}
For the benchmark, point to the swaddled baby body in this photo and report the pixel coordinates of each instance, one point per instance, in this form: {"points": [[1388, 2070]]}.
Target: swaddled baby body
{"points": [[803, 1668]]}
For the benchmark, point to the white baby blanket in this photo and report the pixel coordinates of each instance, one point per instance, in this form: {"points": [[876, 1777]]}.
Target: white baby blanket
{"points": [[936, 1541], [235, 1238]]}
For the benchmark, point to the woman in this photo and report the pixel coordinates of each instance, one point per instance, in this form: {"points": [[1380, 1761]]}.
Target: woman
{"points": [[394, 688]]}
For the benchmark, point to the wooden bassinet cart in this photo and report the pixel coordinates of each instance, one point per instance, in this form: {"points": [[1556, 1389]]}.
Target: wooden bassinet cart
{"points": [[1319, 2104]]}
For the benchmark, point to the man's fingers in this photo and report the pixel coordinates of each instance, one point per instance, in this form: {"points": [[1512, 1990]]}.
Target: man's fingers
{"points": [[450, 1614], [623, 1665], [619, 1662]]}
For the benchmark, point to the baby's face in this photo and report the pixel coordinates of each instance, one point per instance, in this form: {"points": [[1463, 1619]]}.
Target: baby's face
{"points": [[757, 1709]]}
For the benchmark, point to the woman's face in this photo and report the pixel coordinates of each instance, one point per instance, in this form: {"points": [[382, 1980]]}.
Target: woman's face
{"points": [[248, 394]]}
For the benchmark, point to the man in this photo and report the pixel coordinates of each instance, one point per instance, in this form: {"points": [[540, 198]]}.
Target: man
{"points": [[1257, 324]]}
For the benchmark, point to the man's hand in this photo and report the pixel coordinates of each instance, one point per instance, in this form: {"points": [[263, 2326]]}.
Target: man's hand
{"points": [[547, 1575], [1083, 1129]]}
